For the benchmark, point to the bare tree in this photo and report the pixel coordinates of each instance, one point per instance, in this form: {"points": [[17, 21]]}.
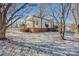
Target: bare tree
{"points": [[64, 14], [52, 10], [53, 15], [41, 13], [75, 14], [8, 16], [60, 14]]}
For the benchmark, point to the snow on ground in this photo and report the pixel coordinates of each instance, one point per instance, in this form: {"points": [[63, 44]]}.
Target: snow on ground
{"points": [[39, 44]]}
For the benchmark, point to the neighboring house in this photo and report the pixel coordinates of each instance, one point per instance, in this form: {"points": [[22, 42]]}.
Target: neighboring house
{"points": [[73, 28], [68, 27]]}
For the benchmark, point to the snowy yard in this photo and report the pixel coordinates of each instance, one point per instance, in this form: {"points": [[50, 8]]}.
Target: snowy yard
{"points": [[39, 44]]}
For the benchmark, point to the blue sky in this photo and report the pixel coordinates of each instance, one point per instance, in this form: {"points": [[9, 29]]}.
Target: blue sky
{"points": [[34, 10]]}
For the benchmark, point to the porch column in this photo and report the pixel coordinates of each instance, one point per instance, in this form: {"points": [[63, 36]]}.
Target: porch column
{"points": [[33, 23]]}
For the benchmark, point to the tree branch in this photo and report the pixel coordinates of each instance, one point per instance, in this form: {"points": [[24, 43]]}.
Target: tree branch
{"points": [[13, 22], [16, 12], [53, 14]]}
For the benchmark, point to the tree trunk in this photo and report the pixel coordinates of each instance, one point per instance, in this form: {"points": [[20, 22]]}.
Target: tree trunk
{"points": [[62, 29], [73, 13], [62, 34], [2, 34]]}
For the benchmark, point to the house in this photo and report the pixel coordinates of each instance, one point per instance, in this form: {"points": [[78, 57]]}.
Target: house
{"points": [[35, 24]]}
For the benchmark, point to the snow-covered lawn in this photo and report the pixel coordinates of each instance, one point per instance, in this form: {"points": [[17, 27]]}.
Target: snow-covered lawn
{"points": [[40, 44]]}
